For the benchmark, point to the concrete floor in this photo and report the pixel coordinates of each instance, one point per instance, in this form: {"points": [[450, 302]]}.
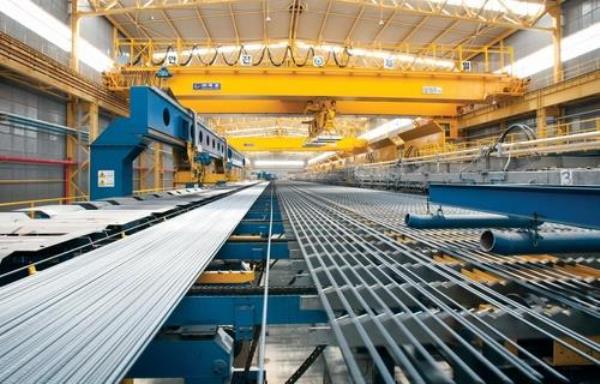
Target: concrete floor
{"points": [[287, 348]]}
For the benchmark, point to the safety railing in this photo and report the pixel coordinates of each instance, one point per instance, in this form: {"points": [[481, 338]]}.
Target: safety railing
{"points": [[32, 203], [562, 137]]}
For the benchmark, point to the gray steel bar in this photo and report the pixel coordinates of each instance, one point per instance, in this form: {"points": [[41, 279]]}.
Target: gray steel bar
{"points": [[88, 319], [265, 309]]}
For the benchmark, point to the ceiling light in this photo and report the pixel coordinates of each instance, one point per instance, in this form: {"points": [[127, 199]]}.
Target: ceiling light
{"points": [[268, 18], [278, 163], [37, 20]]}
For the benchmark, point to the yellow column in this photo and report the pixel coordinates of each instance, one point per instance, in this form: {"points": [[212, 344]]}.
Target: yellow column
{"points": [[541, 119], [93, 121], [75, 19], [71, 144], [556, 13], [157, 166]]}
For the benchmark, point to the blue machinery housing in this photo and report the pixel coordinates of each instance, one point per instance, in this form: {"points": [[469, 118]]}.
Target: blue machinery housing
{"points": [[153, 116], [577, 206]]}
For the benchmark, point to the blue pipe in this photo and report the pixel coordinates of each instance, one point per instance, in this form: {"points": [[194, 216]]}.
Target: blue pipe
{"points": [[467, 221], [518, 243]]}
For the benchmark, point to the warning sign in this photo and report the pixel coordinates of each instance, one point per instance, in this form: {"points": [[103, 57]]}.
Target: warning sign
{"points": [[106, 178]]}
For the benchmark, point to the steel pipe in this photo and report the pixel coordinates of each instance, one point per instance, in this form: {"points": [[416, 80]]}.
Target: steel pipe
{"points": [[467, 221], [518, 243]]}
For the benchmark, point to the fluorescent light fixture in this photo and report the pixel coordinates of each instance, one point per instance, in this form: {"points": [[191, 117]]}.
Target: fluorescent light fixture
{"points": [[386, 129], [572, 46], [278, 163], [520, 8], [54, 31], [320, 158]]}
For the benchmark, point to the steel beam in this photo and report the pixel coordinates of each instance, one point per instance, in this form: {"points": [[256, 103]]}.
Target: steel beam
{"points": [[253, 250], [354, 84], [579, 206], [343, 107], [243, 311], [571, 90]]}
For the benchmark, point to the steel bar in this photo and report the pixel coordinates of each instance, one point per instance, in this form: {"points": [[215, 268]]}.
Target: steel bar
{"points": [[265, 309], [88, 319], [361, 272]]}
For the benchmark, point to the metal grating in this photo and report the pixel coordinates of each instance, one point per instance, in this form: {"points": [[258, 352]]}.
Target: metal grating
{"points": [[384, 292]]}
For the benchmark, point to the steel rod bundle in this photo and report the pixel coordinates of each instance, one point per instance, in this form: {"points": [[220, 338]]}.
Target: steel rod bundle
{"points": [[88, 319], [371, 292]]}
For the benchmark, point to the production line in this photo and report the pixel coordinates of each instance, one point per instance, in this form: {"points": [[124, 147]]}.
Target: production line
{"points": [[299, 191], [385, 286], [96, 313]]}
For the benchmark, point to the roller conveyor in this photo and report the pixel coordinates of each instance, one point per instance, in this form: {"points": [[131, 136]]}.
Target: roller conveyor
{"points": [[420, 299], [88, 319]]}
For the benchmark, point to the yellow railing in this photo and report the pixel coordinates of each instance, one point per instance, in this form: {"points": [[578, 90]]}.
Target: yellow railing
{"points": [[152, 190], [32, 203], [36, 202], [578, 135]]}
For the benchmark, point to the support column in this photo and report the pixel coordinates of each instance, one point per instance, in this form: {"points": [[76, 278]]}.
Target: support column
{"points": [[82, 116], [556, 12], [71, 145], [157, 166], [75, 22], [541, 120]]}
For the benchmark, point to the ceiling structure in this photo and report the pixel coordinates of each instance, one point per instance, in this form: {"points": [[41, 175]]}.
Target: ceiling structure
{"points": [[432, 31], [367, 23]]}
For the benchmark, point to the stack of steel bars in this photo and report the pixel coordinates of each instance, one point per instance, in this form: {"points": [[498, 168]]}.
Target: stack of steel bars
{"points": [[88, 319], [389, 297]]}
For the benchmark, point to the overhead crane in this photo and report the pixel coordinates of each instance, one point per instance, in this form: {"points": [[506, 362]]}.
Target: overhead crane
{"points": [[280, 88]]}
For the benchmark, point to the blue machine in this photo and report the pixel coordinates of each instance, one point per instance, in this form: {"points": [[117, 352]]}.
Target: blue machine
{"points": [[579, 206], [154, 116]]}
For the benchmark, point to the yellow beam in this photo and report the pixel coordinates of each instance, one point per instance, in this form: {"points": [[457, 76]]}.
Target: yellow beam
{"points": [[566, 91], [293, 144], [226, 277], [343, 107], [339, 84]]}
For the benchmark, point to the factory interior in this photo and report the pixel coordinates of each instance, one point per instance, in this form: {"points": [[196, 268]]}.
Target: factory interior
{"points": [[299, 191]]}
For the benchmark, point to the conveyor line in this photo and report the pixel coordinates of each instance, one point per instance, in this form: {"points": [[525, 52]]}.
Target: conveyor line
{"points": [[88, 319], [368, 284]]}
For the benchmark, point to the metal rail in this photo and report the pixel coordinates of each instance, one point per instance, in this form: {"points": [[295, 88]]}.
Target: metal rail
{"points": [[88, 319], [371, 291], [265, 309]]}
